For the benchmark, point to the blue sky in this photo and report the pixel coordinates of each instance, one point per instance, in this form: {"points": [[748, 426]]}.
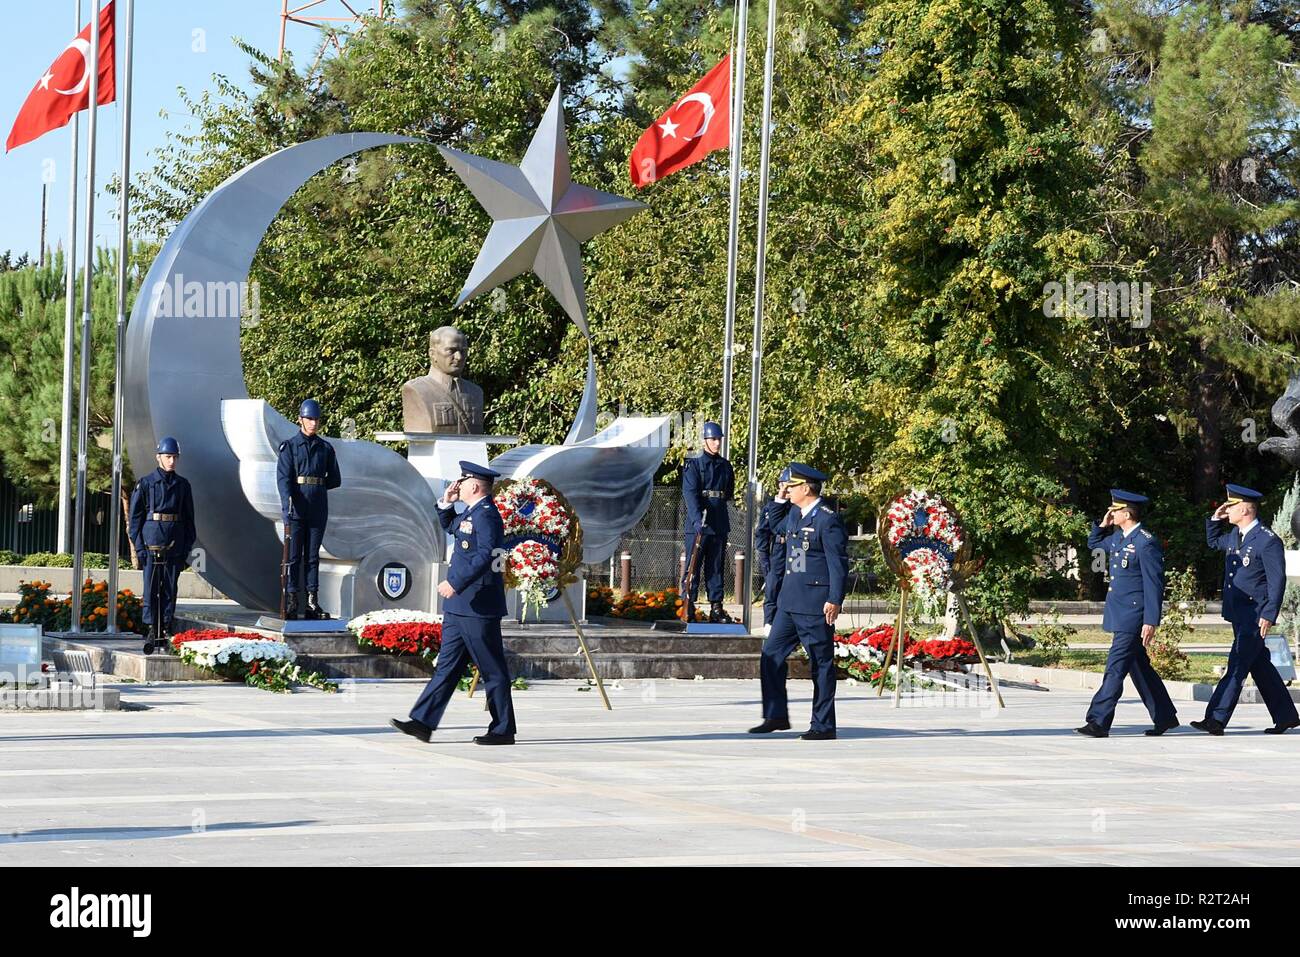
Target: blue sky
{"points": [[176, 45]]}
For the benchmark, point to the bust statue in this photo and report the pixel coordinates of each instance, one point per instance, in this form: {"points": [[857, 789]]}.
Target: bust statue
{"points": [[442, 401]]}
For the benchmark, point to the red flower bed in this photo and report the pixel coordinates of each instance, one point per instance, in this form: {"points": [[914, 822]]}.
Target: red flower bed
{"points": [[421, 638], [213, 634], [881, 637]]}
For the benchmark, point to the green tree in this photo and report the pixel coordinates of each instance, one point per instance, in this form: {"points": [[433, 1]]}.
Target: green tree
{"points": [[31, 373], [977, 187]]}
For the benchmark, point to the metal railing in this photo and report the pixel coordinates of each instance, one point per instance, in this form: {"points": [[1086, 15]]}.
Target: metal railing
{"points": [[26, 528]]}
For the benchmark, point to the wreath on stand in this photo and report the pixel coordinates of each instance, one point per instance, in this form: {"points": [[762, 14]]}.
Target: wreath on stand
{"points": [[925, 546], [543, 542]]}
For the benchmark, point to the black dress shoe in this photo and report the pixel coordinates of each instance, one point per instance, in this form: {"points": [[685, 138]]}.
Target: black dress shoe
{"points": [[769, 725], [1092, 731], [811, 735], [1282, 728], [414, 728], [495, 739], [1160, 729], [1209, 726]]}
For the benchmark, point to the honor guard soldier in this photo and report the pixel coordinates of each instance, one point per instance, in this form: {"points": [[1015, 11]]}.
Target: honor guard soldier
{"points": [[770, 545], [162, 531], [305, 472], [1137, 586], [1254, 579], [810, 599], [708, 485], [474, 601]]}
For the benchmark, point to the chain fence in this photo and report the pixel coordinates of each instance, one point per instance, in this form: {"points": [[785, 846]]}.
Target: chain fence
{"points": [[657, 546]]}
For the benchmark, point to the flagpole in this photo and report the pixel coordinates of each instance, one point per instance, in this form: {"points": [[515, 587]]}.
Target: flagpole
{"points": [[88, 271], [760, 276], [123, 254], [69, 330], [733, 232]]}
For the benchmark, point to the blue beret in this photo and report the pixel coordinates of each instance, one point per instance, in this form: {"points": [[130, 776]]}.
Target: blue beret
{"points": [[807, 472], [1239, 493], [470, 470]]}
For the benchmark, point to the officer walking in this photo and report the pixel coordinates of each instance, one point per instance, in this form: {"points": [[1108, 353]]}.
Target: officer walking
{"points": [[1137, 586], [305, 472], [708, 484], [474, 601], [162, 531], [1254, 578], [769, 538], [810, 599]]}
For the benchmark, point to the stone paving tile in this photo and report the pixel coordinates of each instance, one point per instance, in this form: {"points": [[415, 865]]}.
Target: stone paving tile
{"points": [[222, 774]]}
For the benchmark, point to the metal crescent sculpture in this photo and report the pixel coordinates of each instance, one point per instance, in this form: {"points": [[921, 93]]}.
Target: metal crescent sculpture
{"points": [[184, 373], [179, 369]]}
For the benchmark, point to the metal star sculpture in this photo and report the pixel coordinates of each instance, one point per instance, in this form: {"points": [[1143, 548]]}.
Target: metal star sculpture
{"points": [[540, 217]]}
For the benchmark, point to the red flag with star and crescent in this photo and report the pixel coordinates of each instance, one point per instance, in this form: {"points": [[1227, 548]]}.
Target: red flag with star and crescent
{"points": [[64, 88], [693, 127]]}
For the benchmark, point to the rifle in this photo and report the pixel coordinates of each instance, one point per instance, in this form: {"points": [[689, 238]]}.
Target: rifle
{"points": [[155, 641], [284, 574], [688, 580]]}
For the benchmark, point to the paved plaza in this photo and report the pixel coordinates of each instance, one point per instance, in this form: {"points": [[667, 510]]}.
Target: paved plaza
{"points": [[222, 774]]}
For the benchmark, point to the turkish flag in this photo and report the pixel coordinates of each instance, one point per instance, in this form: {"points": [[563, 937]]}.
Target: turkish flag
{"points": [[693, 127], [64, 89]]}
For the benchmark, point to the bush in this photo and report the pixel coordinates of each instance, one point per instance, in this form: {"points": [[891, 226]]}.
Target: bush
{"points": [[36, 605], [64, 560], [9, 558], [1052, 638], [1167, 657], [600, 599]]}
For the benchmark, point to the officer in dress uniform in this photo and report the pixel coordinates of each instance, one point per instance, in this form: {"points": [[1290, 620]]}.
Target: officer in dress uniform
{"points": [[770, 544], [708, 484], [1254, 578], [1137, 586], [474, 601], [810, 599], [162, 531], [305, 472]]}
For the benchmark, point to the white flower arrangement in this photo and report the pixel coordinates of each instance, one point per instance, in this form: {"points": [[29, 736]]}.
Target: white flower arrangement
{"points": [[218, 651], [390, 616]]}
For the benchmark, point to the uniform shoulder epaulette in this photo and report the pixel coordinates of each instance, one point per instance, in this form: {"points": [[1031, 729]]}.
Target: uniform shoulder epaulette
{"points": [[1268, 531], [282, 445], [1146, 533]]}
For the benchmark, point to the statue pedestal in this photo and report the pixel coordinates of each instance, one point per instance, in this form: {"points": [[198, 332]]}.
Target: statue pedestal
{"points": [[437, 456]]}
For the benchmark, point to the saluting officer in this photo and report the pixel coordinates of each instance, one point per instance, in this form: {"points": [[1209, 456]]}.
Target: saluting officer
{"points": [[474, 601], [162, 531], [810, 599], [305, 472], [770, 545], [1137, 587], [1254, 578], [708, 484]]}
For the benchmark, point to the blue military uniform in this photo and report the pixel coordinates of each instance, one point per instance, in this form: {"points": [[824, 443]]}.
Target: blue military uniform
{"points": [[1254, 579], [1136, 567], [306, 470], [816, 572], [770, 544], [471, 619], [708, 485], [162, 515]]}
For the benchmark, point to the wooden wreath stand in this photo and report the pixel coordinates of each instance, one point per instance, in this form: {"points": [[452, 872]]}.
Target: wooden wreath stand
{"points": [[963, 567], [582, 643], [569, 562]]}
